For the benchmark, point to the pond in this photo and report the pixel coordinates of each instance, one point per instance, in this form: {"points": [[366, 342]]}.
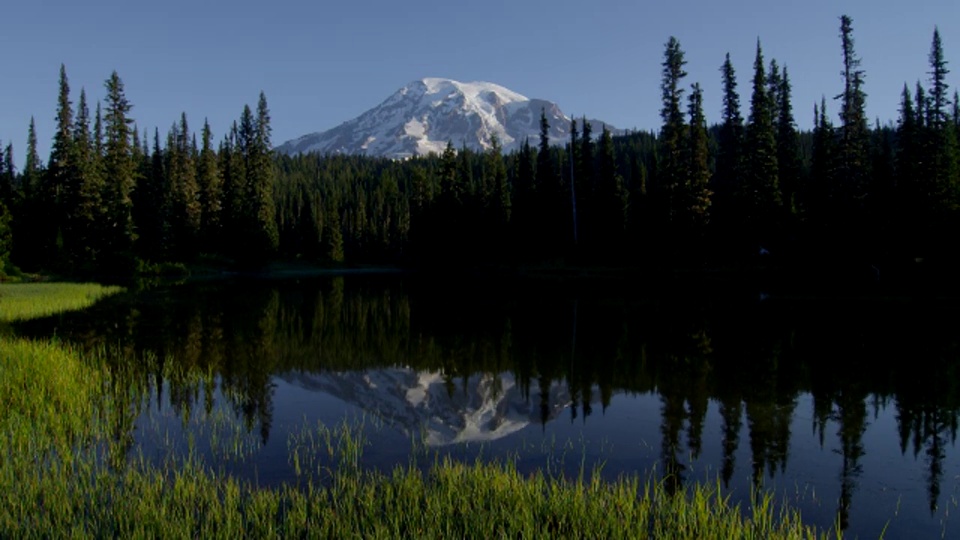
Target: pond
{"points": [[847, 408]]}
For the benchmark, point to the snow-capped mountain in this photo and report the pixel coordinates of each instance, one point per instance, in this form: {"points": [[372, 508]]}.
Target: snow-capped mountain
{"points": [[485, 408], [424, 115]]}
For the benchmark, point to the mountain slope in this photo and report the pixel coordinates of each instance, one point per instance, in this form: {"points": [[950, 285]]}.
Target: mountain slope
{"points": [[424, 115]]}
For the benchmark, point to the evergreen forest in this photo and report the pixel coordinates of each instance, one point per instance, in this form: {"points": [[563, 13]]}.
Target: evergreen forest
{"points": [[749, 190]]}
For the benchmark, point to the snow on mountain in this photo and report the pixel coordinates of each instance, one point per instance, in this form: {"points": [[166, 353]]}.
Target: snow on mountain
{"points": [[486, 407], [424, 115]]}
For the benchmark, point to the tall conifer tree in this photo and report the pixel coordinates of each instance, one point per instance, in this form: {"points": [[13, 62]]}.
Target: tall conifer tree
{"points": [[788, 147], [88, 215], [119, 167], [671, 172], [211, 190], [853, 145], [760, 189], [730, 149], [698, 166], [57, 193]]}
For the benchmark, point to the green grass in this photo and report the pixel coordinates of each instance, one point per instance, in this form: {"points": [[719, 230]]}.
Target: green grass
{"points": [[47, 395], [21, 301], [65, 420]]}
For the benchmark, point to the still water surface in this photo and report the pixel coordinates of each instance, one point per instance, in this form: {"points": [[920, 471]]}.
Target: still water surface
{"points": [[848, 408]]}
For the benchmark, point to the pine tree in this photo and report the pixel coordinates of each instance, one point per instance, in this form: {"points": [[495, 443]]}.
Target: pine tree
{"points": [[184, 197], [233, 165], [6, 236], [672, 171], [611, 201], [98, 132], [32, 172], [546, 175], [6, 182], [88, 214], [333, 233], [120, 170], [498, 205], [586, 185], [698, 166], [939, 99], [760, 189], [774, 82], [908, 185], [56, 192], [574, 161], [32, 246], [788, 147], [261, 179], [823, 166], [943, 170], [59, 170], [524, 210], [730, 148], [853, 144], [501, 188], [211, 190]]}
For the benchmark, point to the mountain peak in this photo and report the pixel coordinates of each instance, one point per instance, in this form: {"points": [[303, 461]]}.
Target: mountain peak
{"points": [[426, 114]]}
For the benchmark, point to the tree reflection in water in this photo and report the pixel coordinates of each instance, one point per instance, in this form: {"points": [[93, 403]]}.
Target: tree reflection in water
{"points": [[753, 360]]}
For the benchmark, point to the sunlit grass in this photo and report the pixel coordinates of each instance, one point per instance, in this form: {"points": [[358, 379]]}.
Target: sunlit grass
{"points": [[21, 301]]}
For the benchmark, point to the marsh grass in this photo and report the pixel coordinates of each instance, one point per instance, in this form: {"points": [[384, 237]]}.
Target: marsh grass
{"points": [[22, 301], [66, 471], [76, 490]]}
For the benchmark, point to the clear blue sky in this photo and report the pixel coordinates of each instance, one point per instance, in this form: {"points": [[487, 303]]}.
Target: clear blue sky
{"points": [[321, 63]]}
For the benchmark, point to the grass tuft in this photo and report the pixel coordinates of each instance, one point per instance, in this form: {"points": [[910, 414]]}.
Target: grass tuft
{"points": [[22, 301]]}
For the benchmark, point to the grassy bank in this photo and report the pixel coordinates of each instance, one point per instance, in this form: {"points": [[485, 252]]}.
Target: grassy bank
{"points": [[22, 301], [63, 417]]}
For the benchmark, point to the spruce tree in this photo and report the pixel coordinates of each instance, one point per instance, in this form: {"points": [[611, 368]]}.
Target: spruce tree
{"points": [[57, 191], [760, 189], [88, 214], [120, 170], [498, 205], [59, 170], [853, 144], [788, 148], [586, 185], [574, 165], [6, 236], [32, 172], [262, 180], [31, 248], [730, 149], [698, 167], [774, 82], [524, 208], [822, 168], [6, 182], [184, 197], [941, 144], [552, 216], [98, 132], [211, 190], [152, 205], [611, 201], [939, 98], [671, 172]]}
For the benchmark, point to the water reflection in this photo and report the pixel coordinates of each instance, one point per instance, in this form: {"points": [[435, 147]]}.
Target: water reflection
{"points": [[460, 363]]}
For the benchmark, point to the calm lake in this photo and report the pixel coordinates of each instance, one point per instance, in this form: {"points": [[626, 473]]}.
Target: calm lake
{"points": [[848, 408]]}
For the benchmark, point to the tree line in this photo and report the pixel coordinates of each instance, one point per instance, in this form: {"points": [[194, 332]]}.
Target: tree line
{"points": [[691, 193]]}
